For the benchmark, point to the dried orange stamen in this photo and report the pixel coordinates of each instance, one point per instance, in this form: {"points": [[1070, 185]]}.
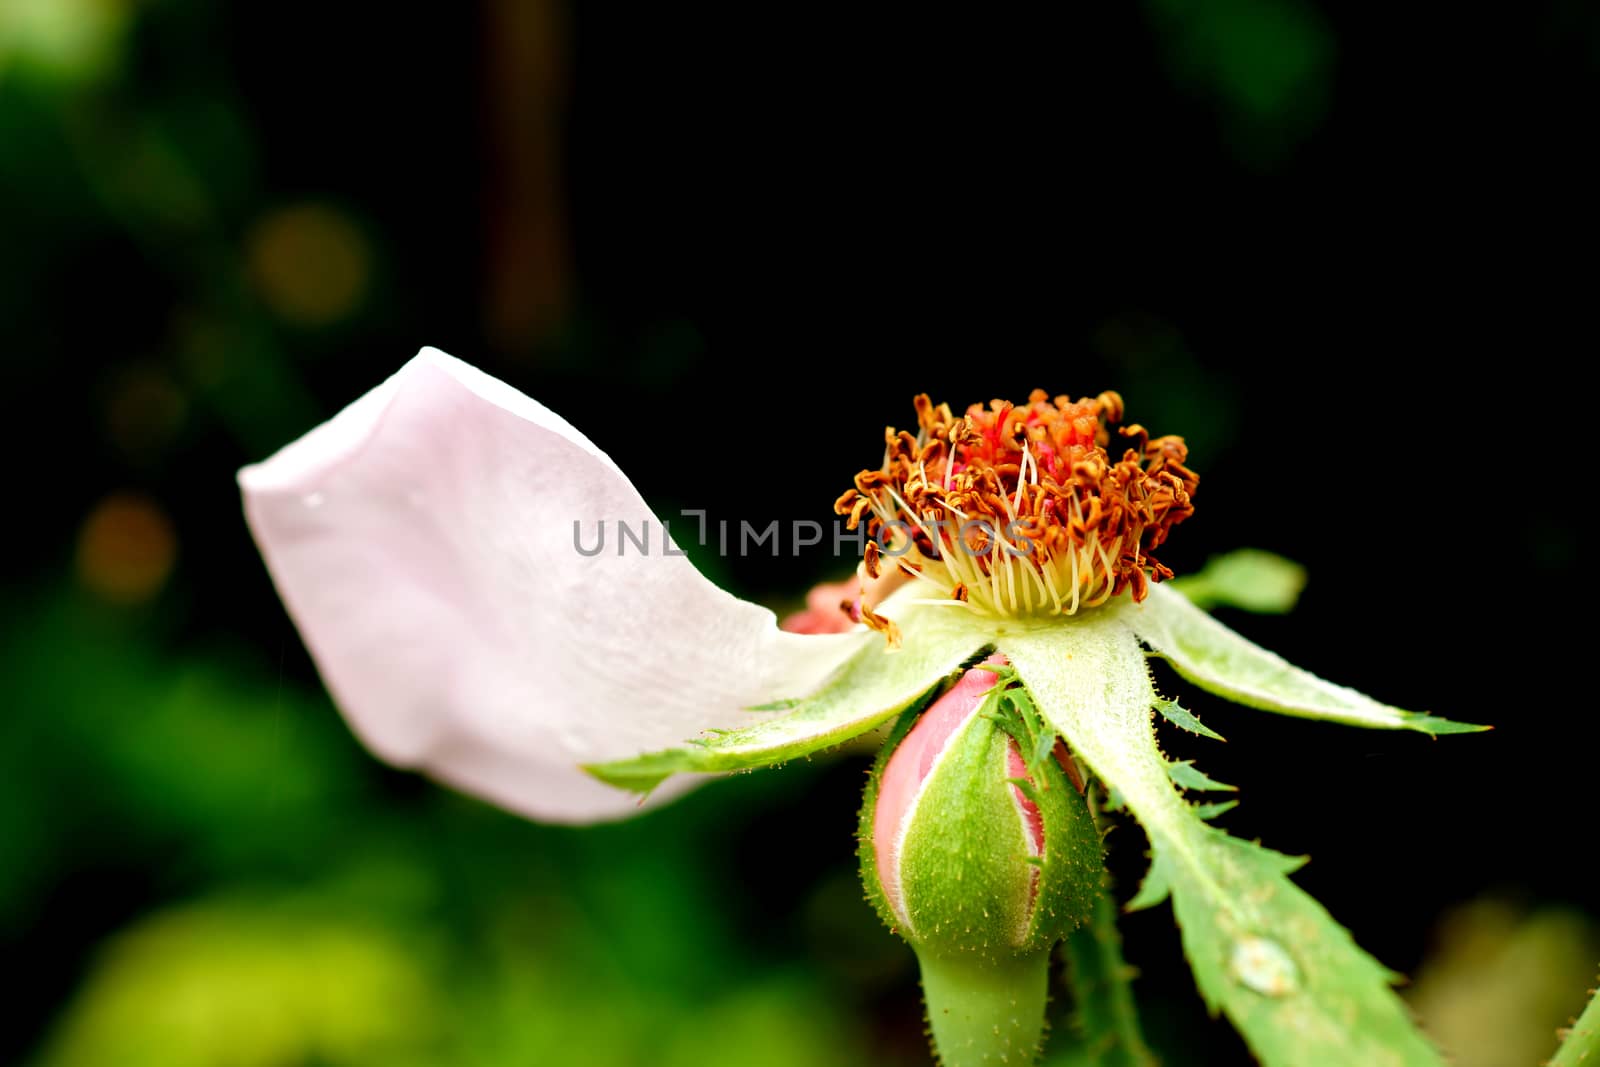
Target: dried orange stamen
{"points": [[1020, 510]]}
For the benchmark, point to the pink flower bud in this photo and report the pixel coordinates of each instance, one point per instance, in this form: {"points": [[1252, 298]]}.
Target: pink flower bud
{"points": [[914, 759], [981, 861], [969, 849]]}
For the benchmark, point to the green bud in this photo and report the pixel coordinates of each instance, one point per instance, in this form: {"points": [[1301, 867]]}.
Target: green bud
{"points": [[981, 861]]}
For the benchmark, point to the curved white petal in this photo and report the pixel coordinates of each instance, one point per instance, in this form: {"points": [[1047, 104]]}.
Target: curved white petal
{"points": [[423, 542]]}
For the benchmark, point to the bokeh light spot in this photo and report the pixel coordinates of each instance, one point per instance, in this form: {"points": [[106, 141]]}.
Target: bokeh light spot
{"points": [[64, 41], [126, 548], [144, 412], [310, 264]]}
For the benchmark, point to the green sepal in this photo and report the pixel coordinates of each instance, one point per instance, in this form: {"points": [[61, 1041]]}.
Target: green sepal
{"points": [[786, 704], [1154, 889], [1184, 719], [1212, 810], [872, 687], [1288, 976], [1010, 706], [1104, 1015], [1580, 1043], [1185, 774], [1221, 661], [964, 870], [640, 774], [1263, 952]]}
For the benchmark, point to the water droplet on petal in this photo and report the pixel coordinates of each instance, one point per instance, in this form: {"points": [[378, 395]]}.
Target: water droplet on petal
{"points": [[1263, 965], [313, 500]]}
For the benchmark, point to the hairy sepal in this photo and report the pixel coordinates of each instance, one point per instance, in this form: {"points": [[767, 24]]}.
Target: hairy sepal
{"points": [[872, 687], [1223, 662], [970, 882], [1331, 1003]]}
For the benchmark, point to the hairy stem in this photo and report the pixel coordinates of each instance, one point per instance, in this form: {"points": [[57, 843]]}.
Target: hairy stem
{"points": [[985, 1011], [1581, 1043], [1104, 1015]]}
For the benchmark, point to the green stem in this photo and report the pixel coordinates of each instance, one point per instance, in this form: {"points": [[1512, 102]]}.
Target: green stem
{"points": [[986, 1011], [1104, 1014], [1582, 1043]]}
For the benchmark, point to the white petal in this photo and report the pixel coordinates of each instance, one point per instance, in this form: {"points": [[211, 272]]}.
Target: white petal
{"points": [[423, 542]]}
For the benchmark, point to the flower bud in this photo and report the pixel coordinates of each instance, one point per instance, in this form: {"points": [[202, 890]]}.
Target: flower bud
{"points": [[981, 862]]}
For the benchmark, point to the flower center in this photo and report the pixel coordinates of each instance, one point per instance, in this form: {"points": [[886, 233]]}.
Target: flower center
{"points": [[1019, 509]]}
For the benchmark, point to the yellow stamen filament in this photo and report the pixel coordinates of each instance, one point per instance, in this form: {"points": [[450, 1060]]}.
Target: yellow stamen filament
{"points": [[1020, 510]]}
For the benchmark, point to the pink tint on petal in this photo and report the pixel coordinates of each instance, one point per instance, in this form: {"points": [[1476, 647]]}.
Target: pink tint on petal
{"points": [[816, 622], [1031, 819], [426, 543], [835, 607], [823, 613], [909, 766], [828, 596]]}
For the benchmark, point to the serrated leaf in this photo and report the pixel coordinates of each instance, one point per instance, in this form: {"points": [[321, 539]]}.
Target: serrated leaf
{"points": [[871, 688], [1225, 663], [1246, 578], [1184, 719], [1275, 950], [1241, 916], [1187, 775]]}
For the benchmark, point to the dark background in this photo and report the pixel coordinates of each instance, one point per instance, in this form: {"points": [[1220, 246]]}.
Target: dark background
{"points": [[1348, 254]]}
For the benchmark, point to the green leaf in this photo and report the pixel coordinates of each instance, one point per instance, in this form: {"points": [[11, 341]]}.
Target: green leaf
{"points": [[1185, 774], [1248, 579], [1219, 660], [1263, 952], [1184, 719], [871, 688]]}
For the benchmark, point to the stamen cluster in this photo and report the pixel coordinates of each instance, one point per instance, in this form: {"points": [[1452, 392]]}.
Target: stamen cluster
{"points": [[1019, 509]]}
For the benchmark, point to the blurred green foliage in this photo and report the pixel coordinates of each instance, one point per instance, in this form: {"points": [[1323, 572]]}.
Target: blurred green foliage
{"points": [[327, 923], [1265, 64], [1504, 979], [332, 978], [65, 42]]}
